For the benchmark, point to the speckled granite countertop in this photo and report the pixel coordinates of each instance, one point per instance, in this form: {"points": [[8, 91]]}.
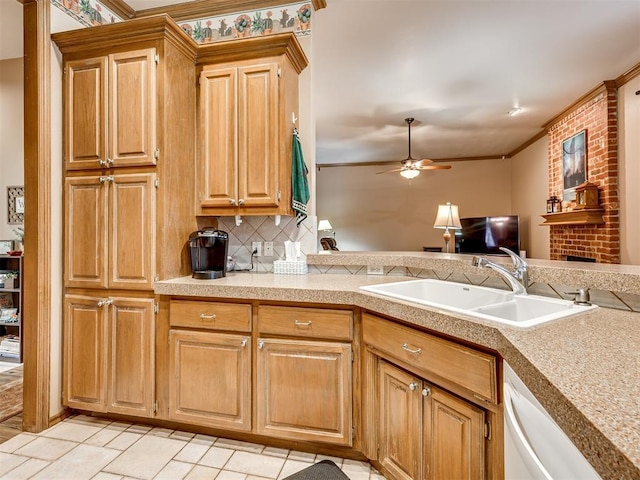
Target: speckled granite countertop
{"points": [[585, 370]]}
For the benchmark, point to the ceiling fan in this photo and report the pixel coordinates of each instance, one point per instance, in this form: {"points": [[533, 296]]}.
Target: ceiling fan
{"points": [[410, 167]]}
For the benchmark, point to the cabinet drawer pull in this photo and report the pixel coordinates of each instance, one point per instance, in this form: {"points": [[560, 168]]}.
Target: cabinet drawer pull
{"points": [[260, 344], [105, 302], [298, 323], [413, 386], [232, 201], [407, 348], [241, 201], [102, 163], [204, 316], [426, 391], [243, 343]]}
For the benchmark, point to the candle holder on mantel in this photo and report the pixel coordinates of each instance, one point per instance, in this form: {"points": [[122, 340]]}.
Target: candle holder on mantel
{"points": [[587, 196]]}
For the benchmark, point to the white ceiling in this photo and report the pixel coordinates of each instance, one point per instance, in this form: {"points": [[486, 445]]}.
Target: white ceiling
{"points": [[456, 66]]}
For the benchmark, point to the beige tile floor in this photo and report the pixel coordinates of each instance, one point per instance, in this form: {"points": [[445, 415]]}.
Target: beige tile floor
{"points": [[83, 447]]}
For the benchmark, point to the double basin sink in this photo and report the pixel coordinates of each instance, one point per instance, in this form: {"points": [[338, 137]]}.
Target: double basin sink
{"points": [[481, 302]]}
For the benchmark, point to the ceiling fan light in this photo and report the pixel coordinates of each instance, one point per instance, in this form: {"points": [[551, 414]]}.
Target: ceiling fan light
{"points": [[410, 173]]}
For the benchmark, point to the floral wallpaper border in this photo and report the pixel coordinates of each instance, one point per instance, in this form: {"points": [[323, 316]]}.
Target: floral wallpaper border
{"points": [[89, 13], [295, 17]]}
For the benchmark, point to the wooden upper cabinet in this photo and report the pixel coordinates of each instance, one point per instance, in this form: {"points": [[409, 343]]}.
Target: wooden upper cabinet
{"points": [[110, 110], [218, 113], [248, 93], [86, 113], [132, 108], [258, 132], [110, 231], [239, 112]]}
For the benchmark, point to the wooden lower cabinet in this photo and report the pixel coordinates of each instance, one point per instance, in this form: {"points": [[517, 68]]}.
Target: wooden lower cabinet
{"points": [[426, 432], [109, 355], [304, 390], [210, 379]]}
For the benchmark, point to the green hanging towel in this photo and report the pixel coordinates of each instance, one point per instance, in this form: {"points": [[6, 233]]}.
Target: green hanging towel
{"points": [[299, 184]]}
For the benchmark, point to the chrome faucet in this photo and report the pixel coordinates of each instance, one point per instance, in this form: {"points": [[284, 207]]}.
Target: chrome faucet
{"points": [[518, 278]]}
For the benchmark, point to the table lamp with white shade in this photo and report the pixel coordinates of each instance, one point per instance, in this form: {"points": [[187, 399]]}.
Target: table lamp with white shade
{"points": [[447, 218]]}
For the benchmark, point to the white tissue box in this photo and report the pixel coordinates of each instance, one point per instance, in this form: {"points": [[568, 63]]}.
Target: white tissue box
{"points": [[290, 267]]}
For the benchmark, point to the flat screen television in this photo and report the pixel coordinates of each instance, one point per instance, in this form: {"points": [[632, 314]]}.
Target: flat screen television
{"points": [[485, 235]]}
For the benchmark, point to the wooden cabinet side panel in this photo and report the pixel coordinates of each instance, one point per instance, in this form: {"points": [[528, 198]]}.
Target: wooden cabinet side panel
{"points": [[217, 175], [84, 353], [131, 356], [85, 233], [132, 108], [133, 231], [400, 422], [453, 437], [304, 390], [85, 111], [258, 133], [210, 379]]}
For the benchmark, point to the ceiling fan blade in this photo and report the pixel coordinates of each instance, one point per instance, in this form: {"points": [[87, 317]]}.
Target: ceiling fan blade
{"points": [[389, 171], [425, 161], [434, 167]]}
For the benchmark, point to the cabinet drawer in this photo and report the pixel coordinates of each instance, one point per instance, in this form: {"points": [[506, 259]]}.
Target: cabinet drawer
{"points": [[235, 317], [306, 322], [455, 364]]}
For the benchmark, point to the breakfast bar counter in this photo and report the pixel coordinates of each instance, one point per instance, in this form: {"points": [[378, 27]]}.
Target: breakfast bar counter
{"points": [[583, 369]]}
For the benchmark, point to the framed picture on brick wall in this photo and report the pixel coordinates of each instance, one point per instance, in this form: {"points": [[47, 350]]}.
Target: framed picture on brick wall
{"points": [[574, 164], [15, 202]]}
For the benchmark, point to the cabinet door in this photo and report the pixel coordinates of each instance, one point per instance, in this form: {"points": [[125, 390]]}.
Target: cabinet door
{"points": [[86, 220], [304, 390], [400, 422], [218, 107], [85, 333], [132, 207], [85, 112], [453, 437], [258, 135], [210, 379], [131, 356], [132, 108]]}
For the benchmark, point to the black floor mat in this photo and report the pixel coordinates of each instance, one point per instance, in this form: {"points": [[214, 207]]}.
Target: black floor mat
{"points": [[324, 470]]}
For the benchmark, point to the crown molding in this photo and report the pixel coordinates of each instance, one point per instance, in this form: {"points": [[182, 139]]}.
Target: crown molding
{"points": [[254, 47], [627, 76], [207, 8], [142, 29]]}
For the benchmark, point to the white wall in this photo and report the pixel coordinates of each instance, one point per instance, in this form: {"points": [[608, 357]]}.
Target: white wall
{"points": [[11, 136], [529, 193], [629, 168], [55, 355], [388, 212]]}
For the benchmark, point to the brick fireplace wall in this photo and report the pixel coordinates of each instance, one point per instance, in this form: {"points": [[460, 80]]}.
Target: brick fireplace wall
{"points": [[597, 114]]}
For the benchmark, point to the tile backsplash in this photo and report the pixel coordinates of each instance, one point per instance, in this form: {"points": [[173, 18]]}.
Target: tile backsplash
{"points": [[264, 229]]}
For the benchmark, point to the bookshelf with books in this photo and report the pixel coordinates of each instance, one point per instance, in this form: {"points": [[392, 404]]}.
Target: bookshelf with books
{"points": [[11, 308]]}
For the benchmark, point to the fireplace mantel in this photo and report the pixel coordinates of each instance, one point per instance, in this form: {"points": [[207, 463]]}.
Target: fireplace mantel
{"points": [[587, 216]]}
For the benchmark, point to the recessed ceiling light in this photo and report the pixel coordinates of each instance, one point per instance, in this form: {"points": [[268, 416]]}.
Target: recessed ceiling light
{"points": [[514, 111]]}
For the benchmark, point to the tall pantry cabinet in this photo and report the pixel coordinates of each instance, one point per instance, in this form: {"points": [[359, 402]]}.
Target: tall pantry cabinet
{"points": [[129, 130]]}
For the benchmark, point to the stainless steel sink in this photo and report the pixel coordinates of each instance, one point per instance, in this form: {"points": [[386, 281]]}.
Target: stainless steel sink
{"points": [[481, 302]]}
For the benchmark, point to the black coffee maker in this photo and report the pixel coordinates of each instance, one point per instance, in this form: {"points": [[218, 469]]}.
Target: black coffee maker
{"points": [[209, 253]]}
